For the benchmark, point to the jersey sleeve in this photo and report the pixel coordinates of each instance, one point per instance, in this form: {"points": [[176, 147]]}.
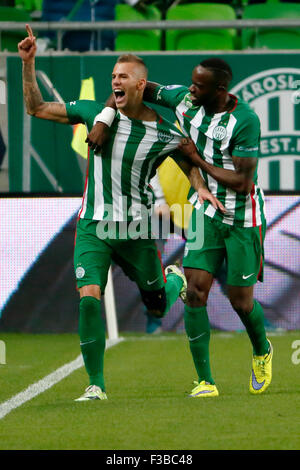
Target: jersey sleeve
{"points": [[247, 139], [157, 189], [82, 111], [170, 95]]}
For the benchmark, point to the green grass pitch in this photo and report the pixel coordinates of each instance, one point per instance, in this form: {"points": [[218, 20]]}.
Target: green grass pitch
{"points": [[147, 378]]}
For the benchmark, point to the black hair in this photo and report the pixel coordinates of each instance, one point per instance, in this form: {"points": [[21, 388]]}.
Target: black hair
{"points": [[221, 70]]}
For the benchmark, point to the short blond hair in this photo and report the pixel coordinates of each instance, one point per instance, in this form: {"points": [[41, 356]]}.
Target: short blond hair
{"points": [[131, 58]]}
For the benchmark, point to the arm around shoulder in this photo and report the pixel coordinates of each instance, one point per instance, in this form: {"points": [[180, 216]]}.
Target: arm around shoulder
{"points": [[149, 92]]}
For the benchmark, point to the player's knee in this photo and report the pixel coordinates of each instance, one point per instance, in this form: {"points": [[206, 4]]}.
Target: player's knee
{"points": [[242, 306], [92, 290], [196, 297], [155, 301]]}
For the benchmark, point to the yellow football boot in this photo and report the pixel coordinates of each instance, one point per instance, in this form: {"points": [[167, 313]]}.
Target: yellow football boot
{"points": [[204, 390], [261, 374]]}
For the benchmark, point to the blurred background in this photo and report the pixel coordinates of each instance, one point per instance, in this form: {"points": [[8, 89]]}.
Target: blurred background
{"points": [[43, 165]]}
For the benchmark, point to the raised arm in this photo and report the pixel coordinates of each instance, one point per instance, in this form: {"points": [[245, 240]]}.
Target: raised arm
{"points": [[35, 105]]}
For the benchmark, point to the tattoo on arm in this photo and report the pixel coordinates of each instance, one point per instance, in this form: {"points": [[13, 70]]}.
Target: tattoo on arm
{"points": [[35, 105], [32, 95]]}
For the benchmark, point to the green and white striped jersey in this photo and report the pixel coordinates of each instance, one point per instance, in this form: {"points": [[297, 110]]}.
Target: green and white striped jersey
{"points": [[217, 138], [117, 184]]}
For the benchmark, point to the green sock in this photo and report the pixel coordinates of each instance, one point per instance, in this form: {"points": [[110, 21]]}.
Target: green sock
{"points": [[92, 339], [198, 331], [172, 287], [254, 324]]}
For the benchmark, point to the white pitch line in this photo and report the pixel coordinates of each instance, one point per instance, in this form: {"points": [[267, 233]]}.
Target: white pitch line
{"points": [[46, 383]]}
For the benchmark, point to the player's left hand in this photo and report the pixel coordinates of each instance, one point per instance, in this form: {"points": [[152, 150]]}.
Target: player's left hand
{"points": [[205, 195], [189, 149], [98, 136]]}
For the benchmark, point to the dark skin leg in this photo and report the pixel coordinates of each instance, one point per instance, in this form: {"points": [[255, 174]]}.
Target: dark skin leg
{"points": [[199, 283], [241, 299]]}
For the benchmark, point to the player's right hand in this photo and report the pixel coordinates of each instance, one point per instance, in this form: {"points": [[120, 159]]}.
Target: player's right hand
{"points": [[27, 47], [98, 136]]}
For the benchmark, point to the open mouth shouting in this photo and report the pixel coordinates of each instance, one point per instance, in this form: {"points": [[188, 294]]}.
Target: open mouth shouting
{"points": [[119, 96]]}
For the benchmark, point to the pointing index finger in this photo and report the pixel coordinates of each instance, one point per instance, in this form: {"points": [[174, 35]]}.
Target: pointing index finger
{"points": [[29, 31]]}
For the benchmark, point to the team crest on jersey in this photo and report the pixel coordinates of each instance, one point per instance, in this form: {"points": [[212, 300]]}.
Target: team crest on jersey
{"points": [[219, 132], [188, 101], [80, 272], [164, 137], [274, 94]]}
